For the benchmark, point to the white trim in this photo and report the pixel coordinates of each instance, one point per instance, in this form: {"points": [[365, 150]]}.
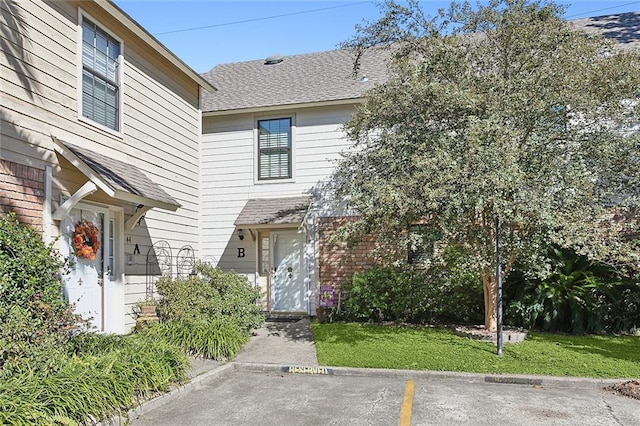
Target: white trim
{"points": [[120, 130], [87, 189], [46, 208], [256, 148], [59, 147], [119, 314], [200, 144], [120, 16]]}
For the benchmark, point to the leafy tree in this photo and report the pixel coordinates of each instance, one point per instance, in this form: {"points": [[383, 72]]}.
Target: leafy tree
{"points": [[499, 111]]}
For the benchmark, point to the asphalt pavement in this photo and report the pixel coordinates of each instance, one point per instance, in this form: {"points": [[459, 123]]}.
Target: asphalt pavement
{"points": [[276, 380]]}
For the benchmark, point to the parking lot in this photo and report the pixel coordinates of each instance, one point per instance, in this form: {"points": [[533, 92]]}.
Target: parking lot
{"points": [[275, 396]]}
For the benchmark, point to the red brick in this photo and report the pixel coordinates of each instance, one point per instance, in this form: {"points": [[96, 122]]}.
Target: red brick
{"points": [[22, 191]]}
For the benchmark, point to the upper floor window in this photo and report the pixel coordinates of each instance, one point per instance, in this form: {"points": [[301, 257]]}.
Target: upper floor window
{"points": [[274, 149], [100, 76]]}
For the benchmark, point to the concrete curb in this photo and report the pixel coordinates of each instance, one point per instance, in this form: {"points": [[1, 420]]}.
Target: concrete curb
{"points": [[194, 384], [548, 381]]}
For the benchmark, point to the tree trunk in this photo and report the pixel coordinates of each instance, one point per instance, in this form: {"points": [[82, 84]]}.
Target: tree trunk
{"points": [[490, 287]]}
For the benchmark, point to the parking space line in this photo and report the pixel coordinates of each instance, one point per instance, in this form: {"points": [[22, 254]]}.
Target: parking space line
{"points": [[407, 403]]}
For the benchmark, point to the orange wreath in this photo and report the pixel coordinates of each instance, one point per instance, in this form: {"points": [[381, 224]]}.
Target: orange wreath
{"points": [[85, 240]]}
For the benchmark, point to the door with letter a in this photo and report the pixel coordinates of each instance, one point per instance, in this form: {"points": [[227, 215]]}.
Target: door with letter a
{"points": [[87, 240], [287, 284]]}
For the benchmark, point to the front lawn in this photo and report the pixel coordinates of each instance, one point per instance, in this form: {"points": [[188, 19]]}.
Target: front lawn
{"points": [[381, 346]]}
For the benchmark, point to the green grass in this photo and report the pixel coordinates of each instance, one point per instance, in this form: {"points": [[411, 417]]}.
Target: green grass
{"points": [[378, 346]]}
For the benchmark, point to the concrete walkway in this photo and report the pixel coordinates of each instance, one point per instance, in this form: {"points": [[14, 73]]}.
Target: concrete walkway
{"points": [[283, 343]]}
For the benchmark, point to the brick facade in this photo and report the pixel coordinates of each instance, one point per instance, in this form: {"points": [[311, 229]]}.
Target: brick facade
{"points": [[338, 262], [22, 191]]}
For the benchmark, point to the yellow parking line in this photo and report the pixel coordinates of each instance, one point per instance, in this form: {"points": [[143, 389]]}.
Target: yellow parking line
{"points": [[407, 402]]}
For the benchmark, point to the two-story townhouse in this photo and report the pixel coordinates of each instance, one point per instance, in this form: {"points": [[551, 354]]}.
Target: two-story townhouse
{"points": [[99, 147], [271, 134]]}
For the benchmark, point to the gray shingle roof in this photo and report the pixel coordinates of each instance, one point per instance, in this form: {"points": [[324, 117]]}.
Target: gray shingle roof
{"points": [[262, 211], [328, 76], [298, 79], [624, 28], [124, 178]]}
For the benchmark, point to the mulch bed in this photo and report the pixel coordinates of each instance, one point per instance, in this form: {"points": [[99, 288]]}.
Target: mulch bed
{"points": [[630, 389]]}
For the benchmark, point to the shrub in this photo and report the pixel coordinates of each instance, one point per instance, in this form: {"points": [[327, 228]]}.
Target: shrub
{"points": [[106, 375], [453, 294], [379, 294], [578, 296], [35, 322], [212, 296], [442, 294], [216, 340]]}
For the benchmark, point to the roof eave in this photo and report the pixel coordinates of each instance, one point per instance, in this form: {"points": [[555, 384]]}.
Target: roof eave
{"points": [[281, 107], [145, 36]]}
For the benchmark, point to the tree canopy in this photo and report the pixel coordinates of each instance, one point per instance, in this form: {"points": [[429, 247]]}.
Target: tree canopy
{"points": [[501, 110]]}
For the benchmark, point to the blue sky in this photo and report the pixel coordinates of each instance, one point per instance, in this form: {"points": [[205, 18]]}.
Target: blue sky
{"points": [[205, 33]]}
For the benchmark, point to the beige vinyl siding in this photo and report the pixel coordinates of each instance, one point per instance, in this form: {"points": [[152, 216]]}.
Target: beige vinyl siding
{"points": [[228, 167], [161, 119]]}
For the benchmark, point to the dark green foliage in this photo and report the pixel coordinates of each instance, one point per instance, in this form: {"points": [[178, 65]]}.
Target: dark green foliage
{"points": [[380, 294], [439, 295], [212, 296], [216, 340], [579, 296], [107, 375], [35, 322]]}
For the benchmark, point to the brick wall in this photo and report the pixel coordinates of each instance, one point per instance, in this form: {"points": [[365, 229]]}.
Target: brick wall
{"points": [[22, 191], [338, 262]]}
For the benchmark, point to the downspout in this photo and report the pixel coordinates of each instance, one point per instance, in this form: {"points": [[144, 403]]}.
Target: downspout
{"points": [[307, 278]]}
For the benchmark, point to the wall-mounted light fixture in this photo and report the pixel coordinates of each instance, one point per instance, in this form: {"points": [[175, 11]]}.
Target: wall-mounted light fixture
{"points": [[240, 234]]}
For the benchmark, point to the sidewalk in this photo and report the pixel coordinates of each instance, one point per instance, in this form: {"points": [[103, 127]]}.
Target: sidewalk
{"points": [[282, 343]]}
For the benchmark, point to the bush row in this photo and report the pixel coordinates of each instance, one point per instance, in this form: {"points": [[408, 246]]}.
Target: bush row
{"points": [[444, 294], [578, 296]]}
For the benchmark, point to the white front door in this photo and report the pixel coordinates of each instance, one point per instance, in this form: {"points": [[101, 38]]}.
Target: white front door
{"points": [[85, 283], [287, 278]]}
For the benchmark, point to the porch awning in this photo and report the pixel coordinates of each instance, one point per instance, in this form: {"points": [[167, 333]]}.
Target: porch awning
{"points": [[273, 211], [119, 180]]}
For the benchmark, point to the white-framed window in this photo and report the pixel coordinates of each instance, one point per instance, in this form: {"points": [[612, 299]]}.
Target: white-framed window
{"points": [[275, 150], [100, 85]]}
